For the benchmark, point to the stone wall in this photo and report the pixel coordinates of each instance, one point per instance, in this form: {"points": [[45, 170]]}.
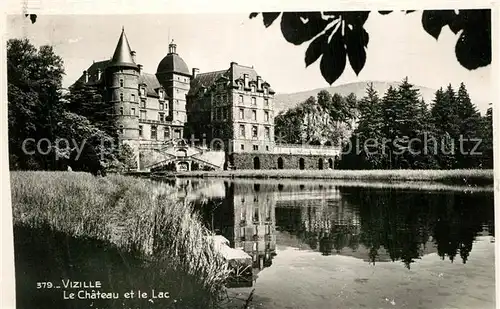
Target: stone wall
{"points": [[272, 161]]}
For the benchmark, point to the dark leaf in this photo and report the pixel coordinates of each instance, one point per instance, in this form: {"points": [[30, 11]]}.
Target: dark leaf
{"points": [[252, 15], [317, 47], [298, 28], [269, 18], [333, 62], [434, 21], [473, 48], [355, 41], [355, 18], [384, 12]]}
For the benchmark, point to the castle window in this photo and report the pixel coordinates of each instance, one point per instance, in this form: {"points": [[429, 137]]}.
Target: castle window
{"points": [[242, 130], [253, 88], [254, 101], [240, 99], [143, 104], [162, 106], [267, 148], [266, 90], [161, 95], [166, 133], [268, 133], [132, 111], [254, 115], [266, 116], [143, 92], [143, 115], [255, 131], [266, 102], [140, 131], [153, 132], [242, 113], [161, 117], [255, 147], [242, 147], [121, 96], [121, 82], [121, 110], [132, 97]]}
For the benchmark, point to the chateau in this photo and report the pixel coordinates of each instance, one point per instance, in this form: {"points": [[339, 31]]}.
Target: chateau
{"points": [[225, 118]]}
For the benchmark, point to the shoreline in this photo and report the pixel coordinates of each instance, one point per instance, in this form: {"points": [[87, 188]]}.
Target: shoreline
{"points": [[462, 177]]}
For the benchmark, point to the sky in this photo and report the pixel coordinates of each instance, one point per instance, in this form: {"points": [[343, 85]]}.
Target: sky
{"points": [[398, 47]]}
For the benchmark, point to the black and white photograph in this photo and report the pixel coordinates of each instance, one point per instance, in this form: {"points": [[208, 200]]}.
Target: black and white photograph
{"points": [[274, 160]]}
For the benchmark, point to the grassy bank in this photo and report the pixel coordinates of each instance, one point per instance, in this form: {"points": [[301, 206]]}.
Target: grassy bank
{"points": [[448, 176], [156, 243]]}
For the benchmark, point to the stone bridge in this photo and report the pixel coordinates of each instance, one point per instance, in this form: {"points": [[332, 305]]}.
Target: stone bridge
{"points": [[178, 156]]}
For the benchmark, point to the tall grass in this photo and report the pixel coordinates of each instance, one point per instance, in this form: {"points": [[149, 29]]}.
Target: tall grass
{"points": [[133, 215]]}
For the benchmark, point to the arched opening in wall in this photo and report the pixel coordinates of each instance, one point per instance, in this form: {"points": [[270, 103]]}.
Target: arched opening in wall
{"points": [[302, 163], [217, 146], [320, 163], [195, 166], [280, 163], [330, 163], [256, 163], [280, 187]]}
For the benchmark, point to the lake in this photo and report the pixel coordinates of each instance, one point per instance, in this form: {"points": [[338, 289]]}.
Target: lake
{"points": [[324, 244]]}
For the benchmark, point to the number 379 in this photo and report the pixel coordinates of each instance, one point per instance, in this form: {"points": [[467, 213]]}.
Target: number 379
{"points": [[44, 285]]}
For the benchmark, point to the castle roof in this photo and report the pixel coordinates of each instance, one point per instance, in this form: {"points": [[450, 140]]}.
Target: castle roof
{"points": [[123, 54], [173, 63], [234, 74], [152, 84]]}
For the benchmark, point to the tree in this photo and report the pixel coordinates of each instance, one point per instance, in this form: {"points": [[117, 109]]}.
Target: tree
{"points": [[340, 36], [470, 130], [34, 100]]}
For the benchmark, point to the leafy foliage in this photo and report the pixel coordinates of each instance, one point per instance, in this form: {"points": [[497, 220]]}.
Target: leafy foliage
{"points": [[322, 120], [39, 110], [337, 36]]}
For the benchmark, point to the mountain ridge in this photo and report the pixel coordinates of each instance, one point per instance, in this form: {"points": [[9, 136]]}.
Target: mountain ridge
{"points": [[285, 101]]}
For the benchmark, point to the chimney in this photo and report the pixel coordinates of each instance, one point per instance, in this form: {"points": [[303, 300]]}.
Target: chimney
{"points": [[245, 78], [259, 82], [132, 53], [233, 63], [195, 72], [140, 68], [98, 73], [86, 76]]}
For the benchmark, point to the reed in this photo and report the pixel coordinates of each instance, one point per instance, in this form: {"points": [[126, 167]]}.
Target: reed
{"points": [[133, 215]]}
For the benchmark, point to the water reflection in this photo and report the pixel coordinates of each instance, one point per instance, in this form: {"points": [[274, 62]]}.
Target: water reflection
{"points": [[373, 224]]}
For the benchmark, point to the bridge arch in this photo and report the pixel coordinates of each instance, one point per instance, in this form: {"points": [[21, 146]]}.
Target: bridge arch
{"points": [[302, 163]]}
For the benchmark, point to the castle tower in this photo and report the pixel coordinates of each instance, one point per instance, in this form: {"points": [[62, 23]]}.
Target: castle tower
{"points": [[121, 80], [174, 75]]}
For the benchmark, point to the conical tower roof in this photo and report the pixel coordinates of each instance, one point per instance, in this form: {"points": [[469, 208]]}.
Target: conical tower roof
{"points": [[123, 53]]}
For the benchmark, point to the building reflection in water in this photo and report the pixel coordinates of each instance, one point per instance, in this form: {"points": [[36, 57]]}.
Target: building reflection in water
{"points": [[372, 224]]}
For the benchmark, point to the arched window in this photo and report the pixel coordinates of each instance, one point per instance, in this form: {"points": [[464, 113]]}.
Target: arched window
{"points": [[301, 163], [121, 110], [280, 163], [121, 82], [330, 163], [121, 96], [320, 163], [256, 163]]}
